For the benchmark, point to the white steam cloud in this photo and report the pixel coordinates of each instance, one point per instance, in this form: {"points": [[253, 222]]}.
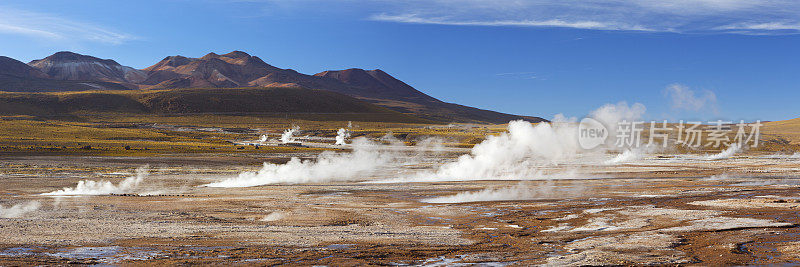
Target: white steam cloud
{"points": [[727, 153], [16, 211], [515, 155], [610, 115], [273, 217], [626, 156], [263, 138], [521, 153], [341, 136], [288, 135], [366, 158], [633, 154], [89, 187]]}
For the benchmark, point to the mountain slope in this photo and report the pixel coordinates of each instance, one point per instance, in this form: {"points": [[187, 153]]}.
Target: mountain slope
{"points": [[234, 69], [196, 101], [378, 84], [239, 69], [13, 67], [383, 89], [76, 67], [16, 76]]}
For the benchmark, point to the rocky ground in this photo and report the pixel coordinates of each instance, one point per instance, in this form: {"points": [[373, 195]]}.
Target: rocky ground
{"points": [[660, 210]]}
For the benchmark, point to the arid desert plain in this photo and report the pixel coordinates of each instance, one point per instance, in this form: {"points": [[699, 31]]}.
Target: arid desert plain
{"points": [[393, 194]]}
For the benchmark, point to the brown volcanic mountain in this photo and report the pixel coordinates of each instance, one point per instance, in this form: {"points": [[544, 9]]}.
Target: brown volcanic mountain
{"points": [[379, 85], [234, 69], [381, 88], [13, 67], [16, 76], [76, 67], [239, 69]]}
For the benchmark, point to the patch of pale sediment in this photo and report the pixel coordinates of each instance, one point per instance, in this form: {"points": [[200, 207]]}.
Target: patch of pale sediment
{"points": [[71, 229], [620, 250], [674, 214], [726, 223], [558, 228], [636, 241], [637, 217], [650, 196], [567, 217], [769, 182], [706, 190], [445, 211], [598, 210], [521, 191], [311, 236], [109, 255], [749, 203], [607, 224], [790, 250]]}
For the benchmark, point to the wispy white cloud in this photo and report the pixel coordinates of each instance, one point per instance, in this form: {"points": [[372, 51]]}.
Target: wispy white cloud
{"points": [[553, 23], [683, 98], [52, 27], [679, 16], [767, 26], [528, 75]]}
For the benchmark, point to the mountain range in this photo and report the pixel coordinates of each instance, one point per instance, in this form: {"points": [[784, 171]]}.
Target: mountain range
{"points": [[68, 71]]}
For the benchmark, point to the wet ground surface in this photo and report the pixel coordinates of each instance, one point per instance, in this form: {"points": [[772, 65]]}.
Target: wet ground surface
{"points": [[659, 210]]}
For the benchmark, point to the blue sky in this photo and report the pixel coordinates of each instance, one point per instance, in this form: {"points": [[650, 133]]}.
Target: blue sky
{"points": [[683, 59]]}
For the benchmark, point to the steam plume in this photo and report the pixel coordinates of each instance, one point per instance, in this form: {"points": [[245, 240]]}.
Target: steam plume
{"points": [[365, 159], [18, 210], [102, 187], [288, 135], [522, 152], [627, 155], [727, 153], [632, 154], [263, 138], [611, 114], [273, 217], [519, 154], [341, 136]]}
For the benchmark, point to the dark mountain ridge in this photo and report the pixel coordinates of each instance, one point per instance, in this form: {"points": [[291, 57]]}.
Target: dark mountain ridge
{"points": [[67, 71]]}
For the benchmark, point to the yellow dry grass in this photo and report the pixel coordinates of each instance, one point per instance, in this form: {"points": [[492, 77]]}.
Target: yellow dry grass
{"points": [[60, 137], [141, 135], [787, 129]]}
